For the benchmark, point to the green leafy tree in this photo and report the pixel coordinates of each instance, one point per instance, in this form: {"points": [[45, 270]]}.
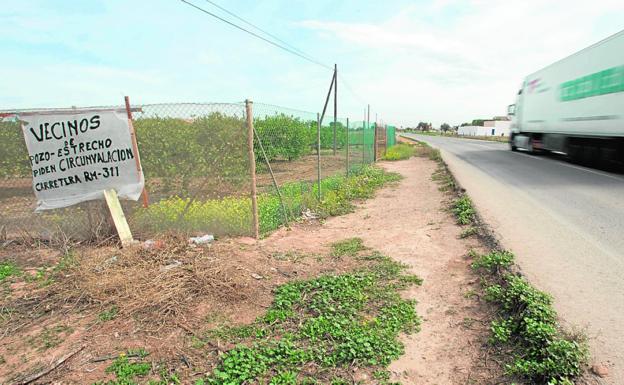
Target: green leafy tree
{"points": [[284, 137], [209, 150]]}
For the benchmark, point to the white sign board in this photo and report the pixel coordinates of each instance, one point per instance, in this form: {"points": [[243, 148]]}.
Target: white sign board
{"points": [[75, 156]]}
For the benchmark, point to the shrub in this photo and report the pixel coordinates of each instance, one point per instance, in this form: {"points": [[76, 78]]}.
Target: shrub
{"points": [[179, 151], [283, 137], [327, 135]]}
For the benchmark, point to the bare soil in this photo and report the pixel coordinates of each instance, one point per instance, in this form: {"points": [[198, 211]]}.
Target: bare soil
{"points": [[172, 292], [409, 223]]}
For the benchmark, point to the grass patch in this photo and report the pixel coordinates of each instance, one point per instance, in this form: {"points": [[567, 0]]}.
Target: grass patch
{"points": [[463, 210], [232, 215], [8, 269], [527, 323], [318, 330], [348, 247], [399, 151]]}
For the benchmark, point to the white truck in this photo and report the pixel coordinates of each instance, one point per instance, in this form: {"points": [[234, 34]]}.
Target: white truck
{"points": [[575, 106]]}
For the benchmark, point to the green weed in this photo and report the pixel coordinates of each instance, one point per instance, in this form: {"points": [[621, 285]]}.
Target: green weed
{"points": [[108, 314], [331, 322], [126, 372], [232, 215], [348, 247], [399, 151], [527, 322], [463, 210], [8, 269], [494, 262]]}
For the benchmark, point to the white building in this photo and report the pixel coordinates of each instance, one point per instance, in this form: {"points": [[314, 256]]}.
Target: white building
{"points": [[489, 128]]}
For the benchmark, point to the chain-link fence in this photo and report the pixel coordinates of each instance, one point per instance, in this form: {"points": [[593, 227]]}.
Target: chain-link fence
{"points": [[196, 159], [196, 164]]}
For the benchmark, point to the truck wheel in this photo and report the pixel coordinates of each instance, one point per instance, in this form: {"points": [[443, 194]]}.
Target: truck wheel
{"points": [[530, 148], [512, 143]]}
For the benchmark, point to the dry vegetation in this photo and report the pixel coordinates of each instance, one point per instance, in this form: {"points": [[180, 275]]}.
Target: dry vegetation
{"points": [[104, 301]]}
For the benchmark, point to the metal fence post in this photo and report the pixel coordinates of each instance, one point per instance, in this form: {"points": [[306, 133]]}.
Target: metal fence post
{"points": [[375, 144], [347, 146], [318, 153], [252, 167], [364, 139]]}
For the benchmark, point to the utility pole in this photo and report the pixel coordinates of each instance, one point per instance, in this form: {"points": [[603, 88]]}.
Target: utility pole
{"points": [[318, 154], [335, 103]]}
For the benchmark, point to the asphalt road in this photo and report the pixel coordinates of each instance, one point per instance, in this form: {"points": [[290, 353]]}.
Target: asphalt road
{"points": [[564, 222]]}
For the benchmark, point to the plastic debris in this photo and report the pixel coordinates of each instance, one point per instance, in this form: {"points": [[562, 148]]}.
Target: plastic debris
{"points": [[208, 238]]}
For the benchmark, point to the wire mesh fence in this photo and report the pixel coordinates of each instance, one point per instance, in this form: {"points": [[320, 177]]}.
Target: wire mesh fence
{"points": [[197, 174], [197, 163]]}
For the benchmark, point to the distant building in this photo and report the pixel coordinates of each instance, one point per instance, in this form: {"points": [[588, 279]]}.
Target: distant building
{"points": [[489, 128]]}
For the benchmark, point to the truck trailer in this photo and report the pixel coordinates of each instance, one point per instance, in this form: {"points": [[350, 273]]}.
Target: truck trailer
{"points": [[575, 106]]}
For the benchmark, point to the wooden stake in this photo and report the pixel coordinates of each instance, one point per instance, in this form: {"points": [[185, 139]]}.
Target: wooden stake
{"points": [[135, 149], [252, 167], [119, 219]]}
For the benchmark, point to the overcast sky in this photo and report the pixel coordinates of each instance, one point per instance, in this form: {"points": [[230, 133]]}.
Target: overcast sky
{"points": [[439, 61]]}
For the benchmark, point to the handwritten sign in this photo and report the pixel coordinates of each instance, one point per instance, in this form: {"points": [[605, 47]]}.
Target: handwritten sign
{"points": [[76, 156]]}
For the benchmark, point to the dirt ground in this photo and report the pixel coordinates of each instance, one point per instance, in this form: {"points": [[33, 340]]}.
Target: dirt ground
{"points": [[173, 292], [409, 223]]}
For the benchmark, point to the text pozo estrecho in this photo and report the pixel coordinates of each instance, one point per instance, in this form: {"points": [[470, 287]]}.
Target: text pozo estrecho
{"points": [[73, 153]]}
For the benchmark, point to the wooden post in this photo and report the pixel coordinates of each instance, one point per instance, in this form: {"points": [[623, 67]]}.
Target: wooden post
{"points": [[252, 167], [119, 219], [335, 103], [135, 148], [318, 152], [347, 146]]}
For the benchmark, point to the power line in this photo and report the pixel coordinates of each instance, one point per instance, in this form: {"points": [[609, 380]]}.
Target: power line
{"points": [[258, 36], [350, 89], [257, 28]]}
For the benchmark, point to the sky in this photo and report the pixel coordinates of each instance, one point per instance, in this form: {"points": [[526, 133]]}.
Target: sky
{"points": [[436, 60]]}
